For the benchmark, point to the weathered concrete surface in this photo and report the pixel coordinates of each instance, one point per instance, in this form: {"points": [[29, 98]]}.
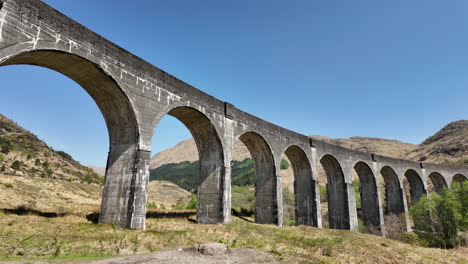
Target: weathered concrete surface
{"points": [[134, 95]]}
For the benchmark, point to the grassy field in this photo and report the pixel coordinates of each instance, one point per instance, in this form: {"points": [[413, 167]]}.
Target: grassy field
{"points": [[32, 237]]}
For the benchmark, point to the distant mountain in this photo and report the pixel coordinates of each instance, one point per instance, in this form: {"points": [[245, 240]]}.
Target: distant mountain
{"points": [[385, 147], [98, 169], [448, 146]]}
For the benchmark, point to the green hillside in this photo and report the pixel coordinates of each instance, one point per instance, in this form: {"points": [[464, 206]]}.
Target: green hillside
{"points": [[185, 174]]}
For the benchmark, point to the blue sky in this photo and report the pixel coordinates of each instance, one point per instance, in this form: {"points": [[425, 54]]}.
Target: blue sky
{"points": [[390, 69]]}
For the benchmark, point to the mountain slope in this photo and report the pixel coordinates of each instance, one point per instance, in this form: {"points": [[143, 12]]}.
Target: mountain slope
{"points": [[23, 154], [385, 147], [448, 146]]}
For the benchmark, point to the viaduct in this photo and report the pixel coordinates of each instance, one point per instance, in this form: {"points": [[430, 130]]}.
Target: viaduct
{"points": [[134, 95]]}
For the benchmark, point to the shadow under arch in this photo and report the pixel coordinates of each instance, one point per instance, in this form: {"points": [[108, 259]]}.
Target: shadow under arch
{"points": [[369, 196], [266, 194], [416, 185], [337, 193], [121, 122], [304, 187], [438, 181], [393, 192], [210, 188], [459, 178]]}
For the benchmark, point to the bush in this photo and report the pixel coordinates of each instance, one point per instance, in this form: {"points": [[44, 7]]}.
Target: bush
{"points": [[439, 218], [323, 193], [8, 185], [192, 203], [152, 205], [6, 147], [16, 165], [288, 206], [395, 226], [64, 155], [37, 162], [284, 164], [2, 157]]}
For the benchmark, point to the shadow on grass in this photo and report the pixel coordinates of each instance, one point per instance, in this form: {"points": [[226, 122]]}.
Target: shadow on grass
{"points": [[94, 217], [23, 210], [242, 214]]}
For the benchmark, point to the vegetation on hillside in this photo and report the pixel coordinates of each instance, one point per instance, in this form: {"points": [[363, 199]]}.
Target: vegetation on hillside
{"points": [[23, 154], [71, 237], [185, 174], [439, 220]]}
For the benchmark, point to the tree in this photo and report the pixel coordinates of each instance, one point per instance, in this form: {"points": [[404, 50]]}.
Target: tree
{"points": [[438, 218]]}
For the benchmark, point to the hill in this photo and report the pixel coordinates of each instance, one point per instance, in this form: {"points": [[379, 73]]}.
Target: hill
{"points": [[23, 154], [448, 146]]}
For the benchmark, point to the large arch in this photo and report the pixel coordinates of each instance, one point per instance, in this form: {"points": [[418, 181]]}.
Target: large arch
{"points": [[438, 181], [416, 185], [266, 196], [304, 187], [123, 188], [459, 178], [369, 196], [337, 193], [393, 192], [210, 188]]}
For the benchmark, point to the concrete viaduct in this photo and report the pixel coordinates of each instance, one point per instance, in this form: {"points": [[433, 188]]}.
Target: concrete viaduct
{"points": [[134, 95]]}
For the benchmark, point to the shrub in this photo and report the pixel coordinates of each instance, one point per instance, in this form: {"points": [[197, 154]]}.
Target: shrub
{"points": [[16, 165], [151, 205], [8, 185], [64, 155], [37, 162], [323, 193], [395, 226], [2, 157], [6, 146], [284, 164], [192, 203], [439, 218]]}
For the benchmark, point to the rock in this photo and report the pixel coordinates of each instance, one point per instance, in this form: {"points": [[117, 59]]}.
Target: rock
{"points": [[213, 249]]}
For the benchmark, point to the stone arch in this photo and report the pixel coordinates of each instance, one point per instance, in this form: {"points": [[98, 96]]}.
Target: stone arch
{"points": [[369, 195], [122, 184], [210, 189], [459, 178], [114, 104], [266, 193], [417, 189], [337, 193], [393, 192], [304, 187], [438, 181]]}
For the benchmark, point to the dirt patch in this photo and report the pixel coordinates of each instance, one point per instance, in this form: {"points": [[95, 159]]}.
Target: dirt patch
{"points": [[213, 253]]}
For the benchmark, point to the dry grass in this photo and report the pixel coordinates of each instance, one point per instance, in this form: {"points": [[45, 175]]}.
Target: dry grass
{"points": [[27, 237]]}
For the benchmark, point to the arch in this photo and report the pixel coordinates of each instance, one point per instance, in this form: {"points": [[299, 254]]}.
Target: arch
{"points": [[438, 181], [393, 192], [114, 104], [122, 189], [459, 178], [369, 195], [304, 187], [337, 193], [266, 196], [210, 190], [416, 185]]}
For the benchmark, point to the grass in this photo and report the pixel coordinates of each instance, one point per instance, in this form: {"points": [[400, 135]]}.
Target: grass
{"points": [[72, 237]]}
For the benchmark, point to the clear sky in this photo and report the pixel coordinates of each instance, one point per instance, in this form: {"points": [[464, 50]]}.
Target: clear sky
{"points": [[391, 69]]}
